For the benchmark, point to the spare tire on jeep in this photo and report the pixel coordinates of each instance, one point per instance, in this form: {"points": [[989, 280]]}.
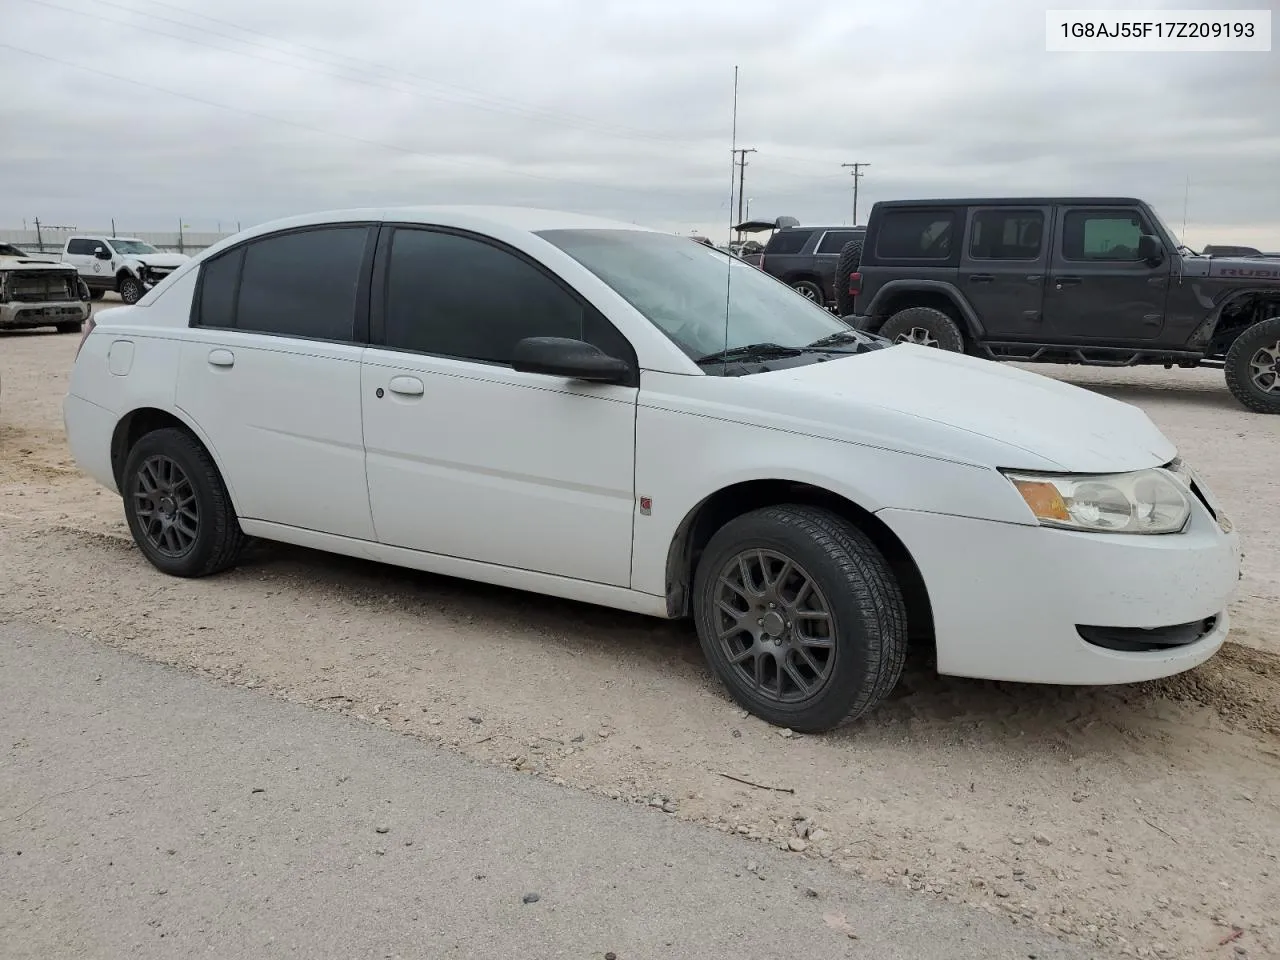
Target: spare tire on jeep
{"points": [[850, 258], [926, 326]]}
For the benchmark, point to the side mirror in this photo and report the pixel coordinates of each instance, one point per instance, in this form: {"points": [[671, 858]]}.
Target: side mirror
{"points": [[573, 359], [102, 253], [1150, 249]]}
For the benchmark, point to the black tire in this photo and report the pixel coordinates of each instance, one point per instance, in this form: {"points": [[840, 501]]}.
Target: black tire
{"points": [[96, 293], [218, 540], [850, 259], [924, 325], [866, 615], [70, 326], [1256, 387], [810, 291], [131, 290]]}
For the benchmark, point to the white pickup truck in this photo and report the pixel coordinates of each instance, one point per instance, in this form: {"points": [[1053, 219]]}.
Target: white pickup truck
{"points": [[126, 265]]}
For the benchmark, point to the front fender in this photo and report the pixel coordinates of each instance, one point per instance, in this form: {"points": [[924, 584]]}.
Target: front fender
{"points": [[725, 454]]}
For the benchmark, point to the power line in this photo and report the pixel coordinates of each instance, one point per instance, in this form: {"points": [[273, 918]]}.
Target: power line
{"points": [[857, 175], [321, 130], [472, 99]]}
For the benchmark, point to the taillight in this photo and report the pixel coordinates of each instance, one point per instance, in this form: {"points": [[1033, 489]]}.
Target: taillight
{"points": [[855, 284], [88, 329]]}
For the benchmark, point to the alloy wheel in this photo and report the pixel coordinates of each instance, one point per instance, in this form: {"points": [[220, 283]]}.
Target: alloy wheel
{"points": [[917, 335], [165, 503], [1264, 368], [774, 626]]}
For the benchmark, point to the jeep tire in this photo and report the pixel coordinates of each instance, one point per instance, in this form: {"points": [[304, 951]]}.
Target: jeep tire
{"points": [[1252, 367], [850, 258], [925, 326]]}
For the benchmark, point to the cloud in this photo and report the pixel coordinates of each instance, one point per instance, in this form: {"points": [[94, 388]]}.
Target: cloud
{"points": [[230, 110]]}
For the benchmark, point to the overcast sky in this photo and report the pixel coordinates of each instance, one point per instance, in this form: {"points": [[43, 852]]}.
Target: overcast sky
{"points": [[218, 111]]}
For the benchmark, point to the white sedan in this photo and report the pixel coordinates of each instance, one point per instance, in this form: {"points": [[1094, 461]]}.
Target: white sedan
{"points": [[593, 410]]}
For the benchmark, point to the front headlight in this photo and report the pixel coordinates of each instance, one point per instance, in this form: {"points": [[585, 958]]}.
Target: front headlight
{"points": [[1145, 501]]}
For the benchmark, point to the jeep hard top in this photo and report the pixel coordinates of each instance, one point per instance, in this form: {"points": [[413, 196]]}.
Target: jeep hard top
{"points": [[1091, 280]]}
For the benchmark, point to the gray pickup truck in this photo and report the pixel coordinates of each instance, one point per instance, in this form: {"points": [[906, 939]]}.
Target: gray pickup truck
{"points": [[36, 292]]}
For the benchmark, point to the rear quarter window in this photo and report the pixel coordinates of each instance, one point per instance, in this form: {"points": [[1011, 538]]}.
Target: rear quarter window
{"points": [[788, 241], [922, 235]]}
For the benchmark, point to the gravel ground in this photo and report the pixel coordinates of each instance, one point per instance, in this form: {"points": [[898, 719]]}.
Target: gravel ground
{"points": [[1139, 819]]}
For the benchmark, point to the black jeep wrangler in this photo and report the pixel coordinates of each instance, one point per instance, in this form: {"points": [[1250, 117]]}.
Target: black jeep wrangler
{"points": [[1091, 280]]}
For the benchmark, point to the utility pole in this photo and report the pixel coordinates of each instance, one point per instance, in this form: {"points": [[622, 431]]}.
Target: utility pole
{"points": [[741, 157], [113, 226], [39, 238], [857, 175]]}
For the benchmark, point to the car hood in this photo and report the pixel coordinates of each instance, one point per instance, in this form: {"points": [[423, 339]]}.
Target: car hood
{"points": [[160, 259], [24, 264], [970, 409]]}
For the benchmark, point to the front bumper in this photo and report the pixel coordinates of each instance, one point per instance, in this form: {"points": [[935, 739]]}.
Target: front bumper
{"points": [[1014, 602], [19, 315]]}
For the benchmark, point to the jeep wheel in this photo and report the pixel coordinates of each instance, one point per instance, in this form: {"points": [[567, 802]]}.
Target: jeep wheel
{"points": [[1253, 367], [800, 616], [131, 290], [810, 291], [925, 326], [850, 258]]}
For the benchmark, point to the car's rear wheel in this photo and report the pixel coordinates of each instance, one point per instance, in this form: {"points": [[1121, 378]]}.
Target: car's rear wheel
{"points": [[925, 326], [850, 259], [1252, 367], [177, 506], [71, 326], [131, 290], [809, 290], [800, 616]]}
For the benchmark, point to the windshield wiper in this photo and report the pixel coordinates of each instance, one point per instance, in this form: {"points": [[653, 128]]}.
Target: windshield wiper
{"points": [[751, 351]]}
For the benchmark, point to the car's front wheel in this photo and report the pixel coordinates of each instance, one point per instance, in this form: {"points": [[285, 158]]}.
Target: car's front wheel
{"points": [[177, 506], [800, 616], [1252, 367], [131, 290]]}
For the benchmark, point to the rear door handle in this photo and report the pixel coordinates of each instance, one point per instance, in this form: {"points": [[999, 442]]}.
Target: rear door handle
{"points": [[222, 358], [982, 278], [406, 386]]}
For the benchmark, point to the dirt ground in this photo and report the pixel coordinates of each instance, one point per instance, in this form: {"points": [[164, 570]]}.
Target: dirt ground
{"points": [[1141, 819]]}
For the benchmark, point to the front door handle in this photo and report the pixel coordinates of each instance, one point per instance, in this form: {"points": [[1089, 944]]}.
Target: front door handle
{"points": [[222, 358], [982, 278], [1066, 282], [406, 386]]}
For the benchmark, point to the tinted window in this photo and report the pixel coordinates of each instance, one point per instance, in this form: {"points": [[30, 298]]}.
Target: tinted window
{"points": [[788, 241], [1101, 235], [460, 297], [916, 235], [302, 284], [218, 279], [1007, 235], [81, 248], [835, 240]]}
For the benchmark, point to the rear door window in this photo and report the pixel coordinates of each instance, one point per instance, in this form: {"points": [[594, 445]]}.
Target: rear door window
{"points": [[788, 241], [916, 235]]}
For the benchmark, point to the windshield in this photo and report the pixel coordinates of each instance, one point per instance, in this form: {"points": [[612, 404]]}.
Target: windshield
{"points": [[681, 288], [133, 247]]}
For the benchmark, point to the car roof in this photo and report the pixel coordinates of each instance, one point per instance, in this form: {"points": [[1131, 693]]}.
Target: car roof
{"points": [[531, 219], [803, 227], [1009, 201]]}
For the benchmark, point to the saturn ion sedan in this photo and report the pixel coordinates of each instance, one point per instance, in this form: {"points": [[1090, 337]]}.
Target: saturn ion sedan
{"points": [[616, 415]]}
